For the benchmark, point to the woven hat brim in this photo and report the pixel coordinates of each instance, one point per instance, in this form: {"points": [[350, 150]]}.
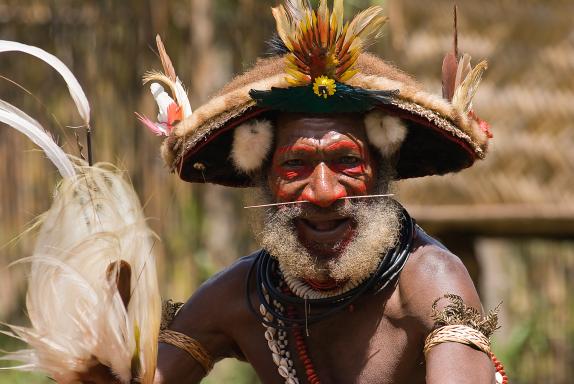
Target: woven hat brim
{"points": [[440, 140]]}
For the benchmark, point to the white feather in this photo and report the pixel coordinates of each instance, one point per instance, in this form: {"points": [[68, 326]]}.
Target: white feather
{"points": [[385, 132], [76, 314], [252, 142], [182, 99], [25, 124], [463, 94], [74, 87], [163, 101]]}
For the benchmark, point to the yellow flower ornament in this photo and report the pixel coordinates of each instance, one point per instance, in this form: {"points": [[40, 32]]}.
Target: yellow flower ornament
{"points": [[324, 87]]}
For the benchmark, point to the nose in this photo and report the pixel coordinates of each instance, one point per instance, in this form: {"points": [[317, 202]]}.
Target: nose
{"points": [[323, 188]]}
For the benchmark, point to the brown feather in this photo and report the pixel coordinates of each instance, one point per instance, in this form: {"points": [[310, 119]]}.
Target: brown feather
{"points": [[165, 60], [450, 63], [449, 69]]}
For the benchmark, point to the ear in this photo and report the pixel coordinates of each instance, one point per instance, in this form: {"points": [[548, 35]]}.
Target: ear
{"points": [[252, 142], [385, 132]]}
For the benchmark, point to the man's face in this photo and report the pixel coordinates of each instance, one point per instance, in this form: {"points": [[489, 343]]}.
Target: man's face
{"points": [[321, 160], [328, 239]]}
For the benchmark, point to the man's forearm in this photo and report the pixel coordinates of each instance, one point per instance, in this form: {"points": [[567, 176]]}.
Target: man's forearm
{"points": [[453, 363], [175, 366]]}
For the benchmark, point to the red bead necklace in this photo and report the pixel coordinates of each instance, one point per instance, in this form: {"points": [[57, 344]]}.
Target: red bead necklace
{"points": [[301, 346], [499, 368]]}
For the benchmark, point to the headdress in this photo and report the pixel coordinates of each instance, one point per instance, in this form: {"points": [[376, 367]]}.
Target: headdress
{"points": [[320, 66]]}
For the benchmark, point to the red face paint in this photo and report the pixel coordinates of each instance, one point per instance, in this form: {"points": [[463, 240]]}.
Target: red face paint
{"points": [[320, 160]]}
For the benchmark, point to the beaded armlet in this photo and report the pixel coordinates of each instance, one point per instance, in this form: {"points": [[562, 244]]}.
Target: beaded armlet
{"points": [[180, 340], [459, 323]]}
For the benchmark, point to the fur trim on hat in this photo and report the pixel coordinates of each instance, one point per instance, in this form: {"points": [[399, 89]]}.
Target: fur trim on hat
{"points": [[385, 132], [252, 142]]}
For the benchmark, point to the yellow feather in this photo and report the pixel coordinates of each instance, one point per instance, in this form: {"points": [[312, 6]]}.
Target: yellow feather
{"points": [[310, 34], [283, 24], [348, 75], [463, 95], [463, 69], [338, 15], [367, 25]]}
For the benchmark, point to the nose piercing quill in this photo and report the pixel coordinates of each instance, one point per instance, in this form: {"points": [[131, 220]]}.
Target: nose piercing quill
{"points": [[305, 201]]}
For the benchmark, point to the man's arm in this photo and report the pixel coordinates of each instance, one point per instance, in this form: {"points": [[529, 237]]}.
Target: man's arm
{"points": [[208, 317], [431, 273]]}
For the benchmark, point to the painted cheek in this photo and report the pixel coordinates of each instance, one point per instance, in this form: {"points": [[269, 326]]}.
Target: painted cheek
{"points": [[292, 173], [351, 170]]}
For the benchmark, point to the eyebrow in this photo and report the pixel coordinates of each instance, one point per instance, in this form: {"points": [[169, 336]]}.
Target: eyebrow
{"points": [[344, 145], [296, 148]]}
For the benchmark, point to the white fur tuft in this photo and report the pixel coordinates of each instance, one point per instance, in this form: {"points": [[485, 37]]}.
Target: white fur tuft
{"points": [[252, 142], [385, 132]]}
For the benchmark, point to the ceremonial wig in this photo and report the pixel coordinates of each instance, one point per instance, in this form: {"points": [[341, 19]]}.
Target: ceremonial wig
{"points": [[319, 66]]}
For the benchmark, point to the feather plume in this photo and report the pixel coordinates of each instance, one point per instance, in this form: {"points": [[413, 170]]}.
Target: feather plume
{"points": [[337, 16], [85, 305], [165, 60], [450, 63], [74, 87], [367, 25], [94, 230], [25, 124], [460, 81], [155, 76], [319, 42], [170, 111], [449, 69], [462, 99], [462, 70], [158, 129]]}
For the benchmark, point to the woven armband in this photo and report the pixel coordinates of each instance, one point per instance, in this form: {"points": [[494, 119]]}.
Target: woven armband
{"points": [[189, 345], [459, 323], [458, 334]]}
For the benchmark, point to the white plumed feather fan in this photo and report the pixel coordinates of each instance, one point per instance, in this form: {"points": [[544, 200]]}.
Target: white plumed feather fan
{"points": [[93, 295]]}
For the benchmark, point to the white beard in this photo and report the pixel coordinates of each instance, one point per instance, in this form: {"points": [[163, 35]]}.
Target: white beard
{"points": [[377, 231]]}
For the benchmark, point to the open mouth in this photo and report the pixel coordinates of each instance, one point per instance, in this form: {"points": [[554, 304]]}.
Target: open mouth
{"points": [[325, 225], [325, 233]]}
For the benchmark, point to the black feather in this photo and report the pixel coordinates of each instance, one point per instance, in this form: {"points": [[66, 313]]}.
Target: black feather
{"points": [[276, 46]]}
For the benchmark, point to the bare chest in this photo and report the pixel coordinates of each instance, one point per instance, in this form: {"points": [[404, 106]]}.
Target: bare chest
{"points": [[367, 345]]}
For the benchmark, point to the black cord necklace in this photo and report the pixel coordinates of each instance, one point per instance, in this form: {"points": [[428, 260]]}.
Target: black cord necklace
{"points": [[268, 277]]}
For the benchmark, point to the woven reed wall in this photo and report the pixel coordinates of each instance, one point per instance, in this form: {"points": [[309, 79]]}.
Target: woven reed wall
{"points": [[527, 96]]}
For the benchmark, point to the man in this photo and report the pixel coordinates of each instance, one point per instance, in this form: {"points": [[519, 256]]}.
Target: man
{"points": [[345, 289]]}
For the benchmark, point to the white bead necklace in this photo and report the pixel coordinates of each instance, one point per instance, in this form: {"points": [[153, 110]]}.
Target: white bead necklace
{"points": [[304, 291], [278, 342]]}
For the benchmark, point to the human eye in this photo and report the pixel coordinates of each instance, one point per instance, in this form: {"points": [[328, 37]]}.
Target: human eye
{"points": [[349, 160], [293, 163]]}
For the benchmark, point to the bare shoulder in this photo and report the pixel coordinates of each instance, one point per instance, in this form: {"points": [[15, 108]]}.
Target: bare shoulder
{"points": [[218, 302], [228, 283], [431, 272]]}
